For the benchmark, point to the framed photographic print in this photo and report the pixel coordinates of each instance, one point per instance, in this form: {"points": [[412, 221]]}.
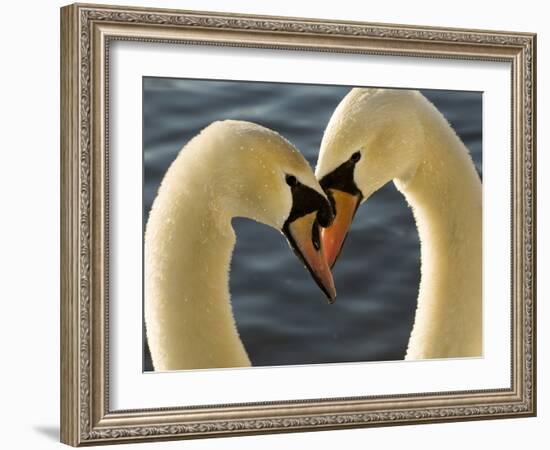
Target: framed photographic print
{"points": [[274, 224]]}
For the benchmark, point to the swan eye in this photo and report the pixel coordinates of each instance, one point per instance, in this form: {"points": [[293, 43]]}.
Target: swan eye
{"points": [[355, 157], [291, 180]]}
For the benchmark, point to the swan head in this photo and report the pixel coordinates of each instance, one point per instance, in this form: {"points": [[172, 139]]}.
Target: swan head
{"points": [[372, 138], [260, 175]]}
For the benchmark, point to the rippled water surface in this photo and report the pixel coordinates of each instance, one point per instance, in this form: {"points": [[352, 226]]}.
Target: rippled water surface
{"points": [[282, 316]]}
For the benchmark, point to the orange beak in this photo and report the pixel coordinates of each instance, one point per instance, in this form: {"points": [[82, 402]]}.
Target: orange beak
{"points": [[303, 235], [333, 237]]}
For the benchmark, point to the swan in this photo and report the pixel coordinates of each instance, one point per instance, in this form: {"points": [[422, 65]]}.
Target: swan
{"points": [[378, 135], [230, 169]]}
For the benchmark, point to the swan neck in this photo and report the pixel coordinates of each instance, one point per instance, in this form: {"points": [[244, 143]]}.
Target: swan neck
{"points": [[188, 248], [445, 196]]}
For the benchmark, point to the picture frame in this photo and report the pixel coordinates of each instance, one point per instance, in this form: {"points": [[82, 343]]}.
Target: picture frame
{"points": [[87, 33]]}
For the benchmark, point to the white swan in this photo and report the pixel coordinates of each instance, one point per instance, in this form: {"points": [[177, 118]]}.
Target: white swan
{"points": [[378, 135], [230, 169]]}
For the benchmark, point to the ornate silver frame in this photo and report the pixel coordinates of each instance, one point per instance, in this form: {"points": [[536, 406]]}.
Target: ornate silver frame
{"points": [[86, 32]]}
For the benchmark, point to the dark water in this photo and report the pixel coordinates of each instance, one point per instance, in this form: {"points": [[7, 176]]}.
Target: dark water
{"points": [[282, 316]]}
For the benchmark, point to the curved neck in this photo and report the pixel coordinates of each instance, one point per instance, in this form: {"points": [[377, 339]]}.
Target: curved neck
{"points": [[445, 195], [188, 248]]}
